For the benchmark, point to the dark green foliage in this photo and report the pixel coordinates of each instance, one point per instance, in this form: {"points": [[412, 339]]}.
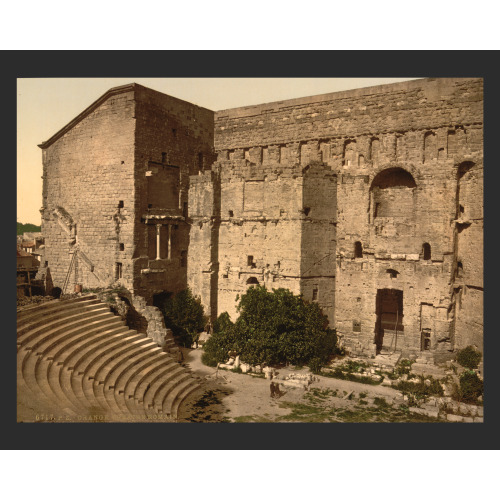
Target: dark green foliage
{"points": [[420, 390], [223, 323], [471, 387], [353, 366], [381, 402], [315, 365], [274, 327], [469, 357], [220, 342], [27, 228], [208, 360], [183, 314], [403, 367]]}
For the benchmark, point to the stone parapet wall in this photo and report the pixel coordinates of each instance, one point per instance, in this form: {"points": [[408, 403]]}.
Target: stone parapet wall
{"points": [[408, 106]]}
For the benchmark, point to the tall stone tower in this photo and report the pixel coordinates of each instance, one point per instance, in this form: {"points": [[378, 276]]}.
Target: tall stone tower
{"points": [[115, 191]]}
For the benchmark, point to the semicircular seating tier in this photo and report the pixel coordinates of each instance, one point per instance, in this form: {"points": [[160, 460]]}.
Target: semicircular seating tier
{"points": [[77, 361]]}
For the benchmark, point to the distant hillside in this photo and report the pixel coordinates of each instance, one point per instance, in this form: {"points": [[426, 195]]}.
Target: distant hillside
{"points": [[27, 228]]}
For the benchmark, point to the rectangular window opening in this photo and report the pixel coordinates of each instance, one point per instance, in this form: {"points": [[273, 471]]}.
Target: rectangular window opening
{"points": [[122, 247], [315, 294], [118, 270]]}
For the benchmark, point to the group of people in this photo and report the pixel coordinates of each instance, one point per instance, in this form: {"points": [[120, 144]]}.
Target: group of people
{"points": [[275, 390]]}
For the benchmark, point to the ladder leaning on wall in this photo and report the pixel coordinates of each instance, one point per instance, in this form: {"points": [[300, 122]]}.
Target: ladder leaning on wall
{"points": [[77, 253]]}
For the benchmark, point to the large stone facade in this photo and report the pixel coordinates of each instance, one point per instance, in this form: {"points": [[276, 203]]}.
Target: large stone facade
{"points": [[115, 191], [368, 201]]}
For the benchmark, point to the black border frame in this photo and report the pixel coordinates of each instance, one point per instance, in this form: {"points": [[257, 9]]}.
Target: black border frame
{"points": [[192, 64]]}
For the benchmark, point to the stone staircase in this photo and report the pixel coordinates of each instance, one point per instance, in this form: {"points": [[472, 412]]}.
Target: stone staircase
{"points": [[76, 361]]}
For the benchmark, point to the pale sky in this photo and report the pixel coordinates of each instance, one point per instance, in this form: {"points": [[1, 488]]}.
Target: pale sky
{"points": [[45, 105]]}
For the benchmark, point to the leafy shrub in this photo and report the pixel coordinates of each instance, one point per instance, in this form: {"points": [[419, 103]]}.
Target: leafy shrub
{"points": [[315, 365], [471, 387], [223, 323], [469, 357], [208, 359], [381, 402], [403, 367], [420, 390], [353, 366], [220, 342], [183, 314], [273, 327]]}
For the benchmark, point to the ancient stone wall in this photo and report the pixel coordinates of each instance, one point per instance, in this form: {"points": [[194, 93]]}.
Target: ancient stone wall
{"points": [[468, 281], [318, 235], [204, 216], [88, 195], [327, 124], [116, 178], [368, 201], [174, 139], [262, 229], [396, 151]]}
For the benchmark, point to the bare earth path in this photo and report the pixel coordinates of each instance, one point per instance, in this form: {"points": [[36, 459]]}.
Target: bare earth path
{"points": [[236, 397]]}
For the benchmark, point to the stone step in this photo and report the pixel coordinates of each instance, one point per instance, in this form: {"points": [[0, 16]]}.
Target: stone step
{"points": [[26, 311], [143, 392], [88, 362], [166, 388], [190, 391], [168, 401], [36, 315], [61, 324]]}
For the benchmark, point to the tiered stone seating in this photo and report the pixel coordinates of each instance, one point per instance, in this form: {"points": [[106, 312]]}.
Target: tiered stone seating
{"points": [[77, 361]]}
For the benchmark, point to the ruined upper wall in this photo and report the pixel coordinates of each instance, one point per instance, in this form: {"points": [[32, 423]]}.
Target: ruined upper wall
{"points": [[418, 104]]}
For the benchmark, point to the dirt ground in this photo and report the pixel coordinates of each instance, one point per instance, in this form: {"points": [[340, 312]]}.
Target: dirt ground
{"points": [[227, 396]]}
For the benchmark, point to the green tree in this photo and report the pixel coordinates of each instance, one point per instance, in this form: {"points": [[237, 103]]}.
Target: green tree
{"points": [[274, 327], [27, 228], [183, 314], [220, 342]]}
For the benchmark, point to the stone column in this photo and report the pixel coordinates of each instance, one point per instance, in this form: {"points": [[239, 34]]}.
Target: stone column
{"points": [[169, 248], [158, 228]]}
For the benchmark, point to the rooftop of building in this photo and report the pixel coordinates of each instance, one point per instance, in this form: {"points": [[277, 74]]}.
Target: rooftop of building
{"points": [[122, 89]]}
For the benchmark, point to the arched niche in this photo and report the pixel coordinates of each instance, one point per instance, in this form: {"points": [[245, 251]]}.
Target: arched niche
{"points": [[392, 195]]}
